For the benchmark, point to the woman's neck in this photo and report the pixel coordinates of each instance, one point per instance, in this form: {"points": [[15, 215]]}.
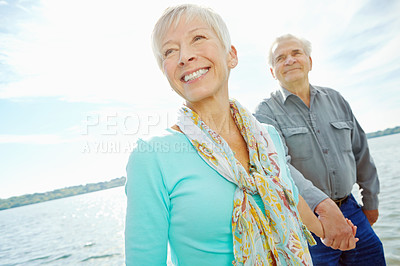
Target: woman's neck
{"points": [[216, 115]]}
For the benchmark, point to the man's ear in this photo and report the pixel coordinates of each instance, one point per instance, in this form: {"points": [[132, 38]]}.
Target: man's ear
{"points": [[310, 63], [272, 72], [233, 58]]}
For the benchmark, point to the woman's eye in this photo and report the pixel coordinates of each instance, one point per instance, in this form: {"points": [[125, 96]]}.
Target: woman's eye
{"points": [[168, 52], [198, 37]]}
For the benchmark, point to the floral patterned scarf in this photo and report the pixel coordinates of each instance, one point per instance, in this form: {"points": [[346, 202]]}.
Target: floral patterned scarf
{"points": [[276, 238]]}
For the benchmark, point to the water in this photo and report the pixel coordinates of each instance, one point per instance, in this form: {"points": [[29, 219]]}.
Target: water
{"points": [[88, 229], [386, 153], [80, 230]]}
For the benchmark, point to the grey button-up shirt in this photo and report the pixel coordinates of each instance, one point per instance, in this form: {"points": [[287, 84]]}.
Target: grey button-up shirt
{"points": [[324, 143]]}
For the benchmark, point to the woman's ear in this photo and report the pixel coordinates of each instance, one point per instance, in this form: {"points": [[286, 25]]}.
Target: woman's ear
{"points": [[233, 58]]}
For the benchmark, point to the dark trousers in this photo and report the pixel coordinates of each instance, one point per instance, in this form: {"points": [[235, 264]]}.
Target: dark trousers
{"points": [[368, 251]]}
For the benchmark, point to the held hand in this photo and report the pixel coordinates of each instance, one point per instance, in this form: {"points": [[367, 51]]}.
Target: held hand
{"points": [[352, 241], [372, 215], [339, 234], [352, 226]]}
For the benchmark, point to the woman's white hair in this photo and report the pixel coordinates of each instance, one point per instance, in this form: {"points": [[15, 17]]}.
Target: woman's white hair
{"points": [[305, 43], [173, 15]]}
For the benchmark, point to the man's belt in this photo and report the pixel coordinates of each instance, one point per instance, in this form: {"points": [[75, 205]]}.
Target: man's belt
{"points": [[339, 202]]}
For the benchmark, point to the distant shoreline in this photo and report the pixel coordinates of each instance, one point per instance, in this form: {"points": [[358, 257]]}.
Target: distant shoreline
{"points": [[381, 133], [28, 199]]}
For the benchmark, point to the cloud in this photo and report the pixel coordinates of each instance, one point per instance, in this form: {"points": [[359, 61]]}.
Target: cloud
{"points": [[107, 58], [82, 59], [100, 60]]}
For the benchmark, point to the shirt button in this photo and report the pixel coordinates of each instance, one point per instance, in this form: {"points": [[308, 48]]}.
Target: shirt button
{"points": [[334, 172], [325, 151], [318, 131]]}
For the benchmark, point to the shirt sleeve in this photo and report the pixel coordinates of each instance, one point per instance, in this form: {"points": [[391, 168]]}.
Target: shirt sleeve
{"points": [[367, 176], [147, 214], [311, 194]]}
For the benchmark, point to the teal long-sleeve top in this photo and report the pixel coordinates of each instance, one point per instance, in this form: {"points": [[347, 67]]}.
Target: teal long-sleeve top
{"points": [[175, 197]]}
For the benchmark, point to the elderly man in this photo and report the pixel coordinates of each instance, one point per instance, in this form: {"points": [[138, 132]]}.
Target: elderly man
{"points": [[328, 153]]}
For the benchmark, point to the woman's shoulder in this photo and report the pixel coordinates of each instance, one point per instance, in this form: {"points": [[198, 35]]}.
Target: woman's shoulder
{"points": [[268, 126], [167, 135], [273, 133], [162, 143], [270, 129]]}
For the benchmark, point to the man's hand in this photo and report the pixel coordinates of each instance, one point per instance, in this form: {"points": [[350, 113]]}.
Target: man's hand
{"points": [[372, 215], [338, 233]]}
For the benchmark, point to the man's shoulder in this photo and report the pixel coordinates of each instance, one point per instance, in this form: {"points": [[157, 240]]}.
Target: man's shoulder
{"points": [[333, 96], [268, 108], [328, 91], [264, 109], [271, 100]]}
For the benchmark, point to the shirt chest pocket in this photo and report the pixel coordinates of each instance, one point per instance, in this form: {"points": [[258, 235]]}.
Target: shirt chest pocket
{"points": [[342, 132], [298, 141]]}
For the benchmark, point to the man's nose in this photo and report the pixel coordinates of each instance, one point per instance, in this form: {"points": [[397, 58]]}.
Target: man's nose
{"points": [[186, 55], [290, 60]]}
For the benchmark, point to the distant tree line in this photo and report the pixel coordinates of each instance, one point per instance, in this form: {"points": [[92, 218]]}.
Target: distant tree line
{"points": [[380, 133], [59, 193]]}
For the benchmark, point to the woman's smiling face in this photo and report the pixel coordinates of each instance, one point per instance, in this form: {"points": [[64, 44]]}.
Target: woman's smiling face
{"points": [[195, 62]]}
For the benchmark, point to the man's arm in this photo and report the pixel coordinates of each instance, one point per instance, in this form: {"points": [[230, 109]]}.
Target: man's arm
{"points": [[311, 194], [367, 176]]}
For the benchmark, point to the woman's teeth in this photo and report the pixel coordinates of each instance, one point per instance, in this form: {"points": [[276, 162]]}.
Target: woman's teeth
{"points": [[195, 75]]}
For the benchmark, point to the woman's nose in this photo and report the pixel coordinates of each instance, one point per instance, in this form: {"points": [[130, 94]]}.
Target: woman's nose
{"points": [[186, 56]]}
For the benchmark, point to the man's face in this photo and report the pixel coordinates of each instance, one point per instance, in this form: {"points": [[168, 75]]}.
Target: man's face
{"points": [[290, 63]]}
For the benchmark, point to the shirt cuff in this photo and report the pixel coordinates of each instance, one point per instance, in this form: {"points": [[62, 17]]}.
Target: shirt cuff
{"points": [[313, 196]]}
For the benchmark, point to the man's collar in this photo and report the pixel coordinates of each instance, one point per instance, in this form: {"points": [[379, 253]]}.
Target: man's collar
{"points": [[285, 93]]}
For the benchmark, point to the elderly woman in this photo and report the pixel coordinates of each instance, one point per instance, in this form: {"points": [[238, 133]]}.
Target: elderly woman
{"points": [[215, 186]]}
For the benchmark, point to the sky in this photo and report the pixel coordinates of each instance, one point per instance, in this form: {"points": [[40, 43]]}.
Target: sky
{"points": [[79, 83]]}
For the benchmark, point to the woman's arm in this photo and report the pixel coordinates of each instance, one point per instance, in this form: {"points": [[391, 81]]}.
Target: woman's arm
{"points": [[147, 216], [309, 218]]}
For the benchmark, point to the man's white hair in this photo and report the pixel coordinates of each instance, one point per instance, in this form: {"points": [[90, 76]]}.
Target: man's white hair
{"points": [[305, 43]]}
